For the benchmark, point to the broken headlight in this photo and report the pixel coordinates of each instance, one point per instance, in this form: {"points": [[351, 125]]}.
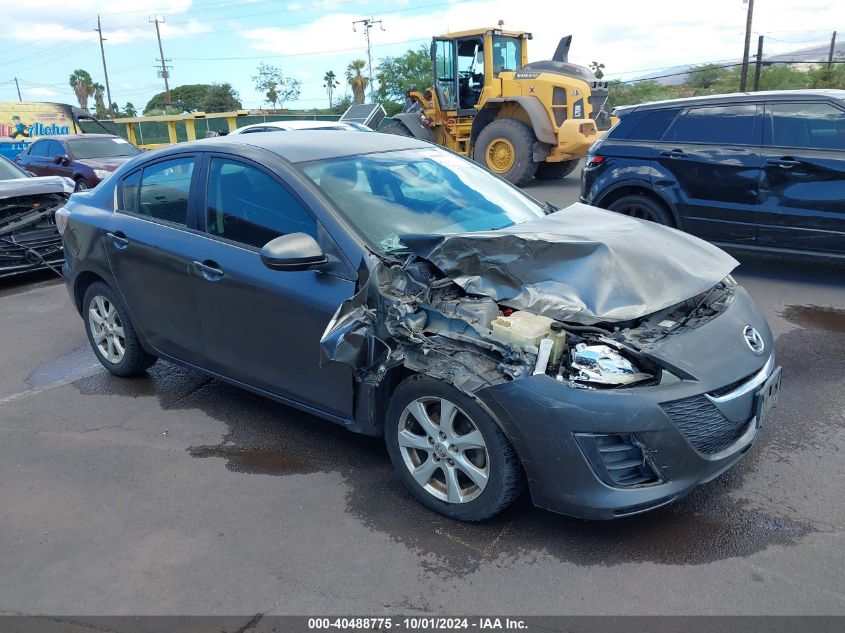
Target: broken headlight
{"points": [[603, 365]]}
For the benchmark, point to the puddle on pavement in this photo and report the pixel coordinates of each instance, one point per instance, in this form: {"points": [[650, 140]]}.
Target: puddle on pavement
{"points": [[818, 317], [267, 438], [73, 365]]}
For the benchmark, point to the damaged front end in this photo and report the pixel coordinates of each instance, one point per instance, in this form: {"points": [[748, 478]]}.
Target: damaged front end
{"points": [[28, 236], [481, 309]]}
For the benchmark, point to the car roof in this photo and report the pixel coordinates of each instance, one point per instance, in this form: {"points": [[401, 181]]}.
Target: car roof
{"points": [[736, 97], [70, 137], [299, 146]]}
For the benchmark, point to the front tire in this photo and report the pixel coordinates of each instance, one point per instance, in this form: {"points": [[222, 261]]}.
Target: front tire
{"points": [[111, 333], [81, 185], [448, 452], [642, 207], [551, 171], [506, 147]]}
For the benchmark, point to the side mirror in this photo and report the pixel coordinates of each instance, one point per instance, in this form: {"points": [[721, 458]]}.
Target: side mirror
{"points": [[61, 159], [292, 252]]}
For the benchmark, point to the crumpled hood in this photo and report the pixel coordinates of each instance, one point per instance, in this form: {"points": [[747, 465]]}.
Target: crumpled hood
{"points": [[580, 264], [35, 186]]}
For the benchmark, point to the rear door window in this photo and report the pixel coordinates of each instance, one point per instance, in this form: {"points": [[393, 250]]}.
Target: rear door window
{"points": [[807, 125], [735, 124], [646, 125], [164, 189], [39, 149]]}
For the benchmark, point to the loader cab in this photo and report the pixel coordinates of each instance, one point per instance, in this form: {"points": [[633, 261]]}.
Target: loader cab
{"points": [[466, 63]]}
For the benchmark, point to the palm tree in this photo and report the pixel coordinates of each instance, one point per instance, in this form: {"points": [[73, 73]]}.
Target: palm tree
{"points": [[357, 80], [330, 84], [83, 86], [100, 110], [129, 109]]}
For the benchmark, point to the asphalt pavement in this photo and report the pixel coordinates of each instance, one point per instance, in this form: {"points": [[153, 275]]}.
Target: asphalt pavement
{"points": [[176, 494]]}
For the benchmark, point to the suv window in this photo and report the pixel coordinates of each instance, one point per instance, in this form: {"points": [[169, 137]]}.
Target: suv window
{"points": [[810, 125], [717, 125], [247, 205], [164, 189]]}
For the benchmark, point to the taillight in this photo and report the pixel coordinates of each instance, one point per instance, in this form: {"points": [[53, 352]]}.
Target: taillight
{"points": [[595, 160], [62, 216]]}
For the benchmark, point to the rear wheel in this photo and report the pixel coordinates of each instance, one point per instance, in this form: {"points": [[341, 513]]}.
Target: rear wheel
{"points": [[400, 129], [506, 147], [448, 451], [642, 207], [550, 171], [111, 333]]}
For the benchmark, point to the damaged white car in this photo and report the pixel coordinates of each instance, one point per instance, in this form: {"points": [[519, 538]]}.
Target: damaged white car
{"points": [[28, 236], [608, 364]]}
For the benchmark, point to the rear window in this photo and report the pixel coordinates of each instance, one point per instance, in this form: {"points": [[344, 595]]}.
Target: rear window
{"points": [[717, 125], [649, 125]]}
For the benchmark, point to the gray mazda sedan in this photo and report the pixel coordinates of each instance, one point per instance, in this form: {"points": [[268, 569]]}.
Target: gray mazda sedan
{"points": [[607, 363]]}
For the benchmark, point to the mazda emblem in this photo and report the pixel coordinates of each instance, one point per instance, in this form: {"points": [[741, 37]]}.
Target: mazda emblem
{"points": [[753, 339]]}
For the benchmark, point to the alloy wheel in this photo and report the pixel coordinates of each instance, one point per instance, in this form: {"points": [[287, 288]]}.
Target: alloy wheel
{"points": [[106, 329], [443, 450], [638, 211]]}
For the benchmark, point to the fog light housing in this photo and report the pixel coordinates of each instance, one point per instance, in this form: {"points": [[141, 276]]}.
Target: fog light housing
{"points": [[618, 460]]}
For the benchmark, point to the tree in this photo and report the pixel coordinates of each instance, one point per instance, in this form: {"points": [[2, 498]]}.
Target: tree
{"points": [[356, 80], [100, 110], [598, 69], [187, 98], [129, 109], [397, 75], [330, 82], [83, 86], [276, 87], [221, 98], [342, 104]]}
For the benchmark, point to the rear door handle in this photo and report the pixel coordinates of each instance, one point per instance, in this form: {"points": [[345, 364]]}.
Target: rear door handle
{"points": [[787, 162], [209, 269], [674, 153], [119, 239]]}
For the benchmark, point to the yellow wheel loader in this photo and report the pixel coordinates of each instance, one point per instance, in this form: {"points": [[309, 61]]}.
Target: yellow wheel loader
{"points": [[518, 119]]}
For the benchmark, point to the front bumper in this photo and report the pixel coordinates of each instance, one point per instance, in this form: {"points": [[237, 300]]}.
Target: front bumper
{"points": [[688, 431]]}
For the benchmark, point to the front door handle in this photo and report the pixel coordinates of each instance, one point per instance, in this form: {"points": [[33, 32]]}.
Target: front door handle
{"points": [[674, 153], [787, 162], [209, 269], [119, 239]]}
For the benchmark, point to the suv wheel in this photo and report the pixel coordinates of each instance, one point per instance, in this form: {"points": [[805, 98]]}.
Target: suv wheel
{"points": [[111, 334], [448, 452], [642, 207]]}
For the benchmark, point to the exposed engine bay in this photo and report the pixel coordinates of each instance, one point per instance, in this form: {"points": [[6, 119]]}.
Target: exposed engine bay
{"points": [[412, 314], [28, 235]]}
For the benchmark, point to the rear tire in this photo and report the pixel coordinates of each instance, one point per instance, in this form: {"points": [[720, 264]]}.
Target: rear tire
{"points": [[461, 466], [551, 171], [397, 128], [642, 207], [111, 333], [506, 147]]}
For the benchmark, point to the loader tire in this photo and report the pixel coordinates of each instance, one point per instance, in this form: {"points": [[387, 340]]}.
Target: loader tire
{"points": [[506, 147]]}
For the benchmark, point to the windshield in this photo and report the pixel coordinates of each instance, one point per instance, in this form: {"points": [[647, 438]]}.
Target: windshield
{"points": [[429, 191], [10, 171], [103, 147]]}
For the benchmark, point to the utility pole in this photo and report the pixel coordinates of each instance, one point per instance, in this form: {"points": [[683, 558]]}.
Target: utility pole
{"points": [[759, 67], [19, 89], [743, 77], [832, 47], [99, 30], [163, 71], [369, 23]]}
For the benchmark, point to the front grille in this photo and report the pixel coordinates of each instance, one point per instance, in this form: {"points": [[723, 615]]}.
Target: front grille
{"points": [[703, 425], [18, 249]]}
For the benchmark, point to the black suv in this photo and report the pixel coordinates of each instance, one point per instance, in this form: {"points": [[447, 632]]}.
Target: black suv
{"points": [[762, 170]]}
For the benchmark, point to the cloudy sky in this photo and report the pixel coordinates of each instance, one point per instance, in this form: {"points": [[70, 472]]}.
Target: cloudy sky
{"points": [[43, 41]]}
